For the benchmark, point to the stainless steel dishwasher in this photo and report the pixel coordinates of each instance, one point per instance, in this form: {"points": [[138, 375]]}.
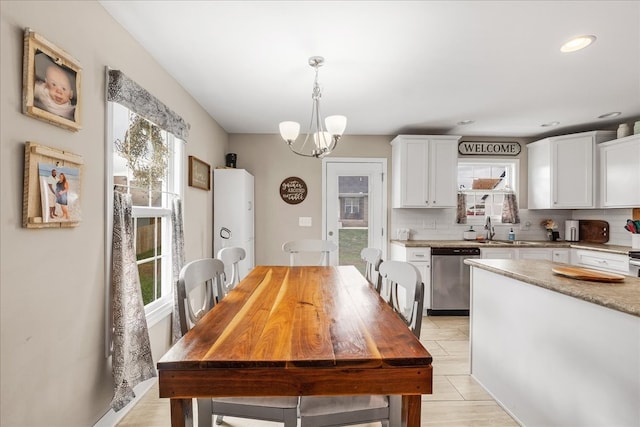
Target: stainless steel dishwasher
{"points": [[450, 280]]}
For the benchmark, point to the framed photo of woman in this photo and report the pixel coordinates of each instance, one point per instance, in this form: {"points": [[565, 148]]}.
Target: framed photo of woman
{"points": [[51, 84]]}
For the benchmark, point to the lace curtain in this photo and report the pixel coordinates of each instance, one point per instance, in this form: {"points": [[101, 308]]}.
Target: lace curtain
{"points": [[177, 255], [132, 359], [124, 91], [461, 211], [510, 212]]}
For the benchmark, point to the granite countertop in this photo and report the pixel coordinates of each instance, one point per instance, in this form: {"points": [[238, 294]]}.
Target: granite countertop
{"points": [[623, 296], [624, 250]]}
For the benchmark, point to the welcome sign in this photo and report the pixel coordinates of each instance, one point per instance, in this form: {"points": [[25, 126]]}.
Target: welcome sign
{"points": [[473, 148]]}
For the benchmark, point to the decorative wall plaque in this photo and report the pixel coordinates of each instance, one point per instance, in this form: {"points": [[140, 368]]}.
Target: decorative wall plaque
{"points": [[497, 148], [293, 190]]}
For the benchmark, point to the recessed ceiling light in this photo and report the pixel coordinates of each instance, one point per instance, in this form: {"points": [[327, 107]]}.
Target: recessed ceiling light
{"points": [[550, 124], [577, 43], [466, 122], [609, 115]]}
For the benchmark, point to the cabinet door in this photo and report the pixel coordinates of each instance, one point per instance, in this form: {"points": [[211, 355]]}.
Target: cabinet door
{"points": [[560, 255], [531, 253], [497, 253], [415, 156], [425, 272], [443, 173], [573, 176], [539, 174], [620, 173]]}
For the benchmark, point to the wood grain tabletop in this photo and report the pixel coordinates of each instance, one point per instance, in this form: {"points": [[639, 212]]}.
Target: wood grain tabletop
{"points": [[298, 331]]}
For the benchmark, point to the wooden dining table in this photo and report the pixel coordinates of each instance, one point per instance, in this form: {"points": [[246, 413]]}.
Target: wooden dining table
{"points": [[297, 331]]}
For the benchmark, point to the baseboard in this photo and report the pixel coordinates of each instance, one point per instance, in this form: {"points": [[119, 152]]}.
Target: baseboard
{"points": [[111, 418]]}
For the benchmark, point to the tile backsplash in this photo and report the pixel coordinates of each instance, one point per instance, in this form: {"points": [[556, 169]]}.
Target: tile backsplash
{"points": [[439, 224]]}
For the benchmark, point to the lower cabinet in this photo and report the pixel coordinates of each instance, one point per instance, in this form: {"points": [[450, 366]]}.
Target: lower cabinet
{"points": [[549, 254], [421, 259], [498, 253], [613, 263]]}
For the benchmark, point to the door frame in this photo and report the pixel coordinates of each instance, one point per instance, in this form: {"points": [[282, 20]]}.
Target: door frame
{"points": [[383, 220]]}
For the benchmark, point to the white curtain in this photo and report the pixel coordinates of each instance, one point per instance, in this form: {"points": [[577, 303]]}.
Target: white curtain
{"points": [[177, 255], [132, 360]]}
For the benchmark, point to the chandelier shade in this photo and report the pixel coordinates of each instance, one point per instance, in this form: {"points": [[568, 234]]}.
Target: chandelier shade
{"points": [[325, 135]]}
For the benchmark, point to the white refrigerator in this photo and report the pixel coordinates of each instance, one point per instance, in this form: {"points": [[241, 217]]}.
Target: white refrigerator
{"points": [[233, 214]]}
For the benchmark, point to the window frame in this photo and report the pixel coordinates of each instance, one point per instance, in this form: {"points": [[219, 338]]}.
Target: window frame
{"points": [[512, 164], [158, 309]]}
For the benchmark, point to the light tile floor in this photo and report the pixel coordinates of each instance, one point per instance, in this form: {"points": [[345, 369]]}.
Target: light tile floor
{"points": [[457, 400]]}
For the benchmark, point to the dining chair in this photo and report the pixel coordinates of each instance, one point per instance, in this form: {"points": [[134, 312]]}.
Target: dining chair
{"points": [[231, 256], [372, 258], [296, 248], [404, 281], [208, 273]]}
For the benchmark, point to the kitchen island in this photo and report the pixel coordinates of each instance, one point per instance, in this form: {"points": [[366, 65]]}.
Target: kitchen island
{"points": [[552, 350]]}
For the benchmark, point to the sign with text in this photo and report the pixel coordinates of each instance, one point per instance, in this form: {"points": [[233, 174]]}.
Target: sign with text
{"points": [[293, 190], [486, 148]]}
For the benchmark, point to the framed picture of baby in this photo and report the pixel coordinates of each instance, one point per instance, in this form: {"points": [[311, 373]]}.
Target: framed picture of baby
{"points": [[51, 84]]}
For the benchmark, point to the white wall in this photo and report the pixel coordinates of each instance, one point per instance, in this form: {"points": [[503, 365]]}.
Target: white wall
{"points": [[269, 159], [52, 289]]}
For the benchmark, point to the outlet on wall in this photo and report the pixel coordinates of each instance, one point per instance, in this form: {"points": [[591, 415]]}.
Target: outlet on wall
{"points": [[304, 221], [525, 226]]}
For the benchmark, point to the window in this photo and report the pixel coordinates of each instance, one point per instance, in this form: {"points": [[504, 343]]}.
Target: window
{"points": [[351, 206], [147, 162], [484, 184]]}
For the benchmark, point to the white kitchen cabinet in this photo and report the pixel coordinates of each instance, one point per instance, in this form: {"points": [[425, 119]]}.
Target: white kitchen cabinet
{"points": [[606, 261], [498, 253], [421, 259], [233, 214], [561, 255], [424, 171], [620, 172], [550, 254], [535, 253], [562, 171]]}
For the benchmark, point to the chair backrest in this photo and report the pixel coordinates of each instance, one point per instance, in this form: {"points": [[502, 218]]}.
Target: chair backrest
{"points": [[407, 292], [323, 247], [231, 256], [206, 273], [372, 258]]}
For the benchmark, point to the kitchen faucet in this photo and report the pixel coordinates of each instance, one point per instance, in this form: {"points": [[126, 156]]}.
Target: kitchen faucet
{"points": [[490, 231]]}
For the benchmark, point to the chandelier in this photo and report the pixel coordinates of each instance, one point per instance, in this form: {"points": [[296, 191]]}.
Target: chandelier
{"points": [[320, 139]]}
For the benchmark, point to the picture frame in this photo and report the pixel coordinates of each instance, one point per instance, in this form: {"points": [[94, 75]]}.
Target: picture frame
{"points": [[38, 210], [199, 174], [51, 83]]}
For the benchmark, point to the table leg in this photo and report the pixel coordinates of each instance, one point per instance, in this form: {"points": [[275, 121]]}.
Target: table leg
{"points": [[181, 413], [411, 409]]}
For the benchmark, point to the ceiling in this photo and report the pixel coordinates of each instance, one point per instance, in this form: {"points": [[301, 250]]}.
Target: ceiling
{"points": [[397, 67]]}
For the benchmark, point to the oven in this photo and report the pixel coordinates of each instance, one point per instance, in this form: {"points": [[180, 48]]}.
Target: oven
{"points": [[634, 263]]}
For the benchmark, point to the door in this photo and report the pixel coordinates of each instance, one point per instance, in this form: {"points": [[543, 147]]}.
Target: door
{"points": [[354, 207]]}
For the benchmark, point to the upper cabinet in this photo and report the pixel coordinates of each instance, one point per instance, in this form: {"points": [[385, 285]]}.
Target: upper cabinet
{"points": [[620, 172], [562, 171], [424, 171]]}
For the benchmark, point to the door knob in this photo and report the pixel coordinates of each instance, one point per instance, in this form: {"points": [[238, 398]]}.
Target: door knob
{"points": [[330, 233]]}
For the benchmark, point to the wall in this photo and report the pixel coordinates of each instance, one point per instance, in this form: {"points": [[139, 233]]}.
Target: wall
{"points": [[269, 159], [52, 288]]}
